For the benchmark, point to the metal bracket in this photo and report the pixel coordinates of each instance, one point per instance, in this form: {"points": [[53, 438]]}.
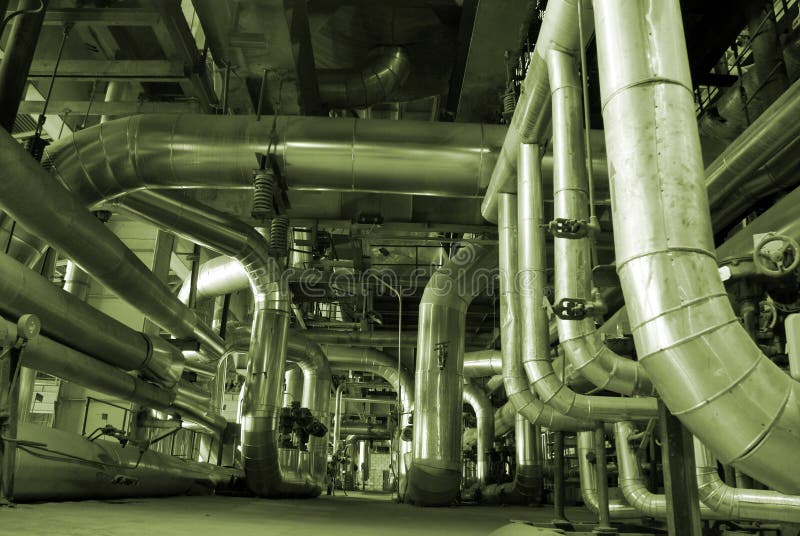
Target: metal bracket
{"points": [[441, 350], [569, 228]]}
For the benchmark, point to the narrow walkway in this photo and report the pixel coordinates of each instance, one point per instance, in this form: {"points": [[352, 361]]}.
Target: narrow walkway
{"points": [[359, 514]]}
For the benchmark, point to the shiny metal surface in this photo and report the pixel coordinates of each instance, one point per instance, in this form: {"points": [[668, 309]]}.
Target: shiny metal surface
{"points": [[527, 486], [476, 398], [68, 320], [618, 508], [216, 277], [311, 360], [581, 342], [70, 467], [632, 483], [263, 390], [512, 324], [532, 277], [483, 363], [209, 151], [293, 378], [773, 130], [435, 474], [385, 70], [747, 411], [21, 245], [737, 503], [59, 218], [532, 119]]}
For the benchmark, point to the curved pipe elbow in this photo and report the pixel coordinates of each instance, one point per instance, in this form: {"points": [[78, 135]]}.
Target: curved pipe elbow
{"points": [[386, 70]]}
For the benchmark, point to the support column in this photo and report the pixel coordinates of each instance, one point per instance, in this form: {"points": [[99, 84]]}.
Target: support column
{"points": [[680, 482], [559, 495], [604, 517]]}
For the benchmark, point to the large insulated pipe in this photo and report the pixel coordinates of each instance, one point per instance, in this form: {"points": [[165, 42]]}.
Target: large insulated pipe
{"points": [[56, 465], [67, 319], [533, 314], [513, 284], [531, 120], [483, 363], [737, 503], [293, 378], [307, 355], [208, 151], [748, 411], [632, 482], [476, 398], [434, 477], [31, 196], [581, 342], [385, 70], [778, 126], [264, 382]]}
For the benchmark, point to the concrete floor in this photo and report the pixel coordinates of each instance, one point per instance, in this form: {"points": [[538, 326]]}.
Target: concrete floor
{"points": [[356, 515]]}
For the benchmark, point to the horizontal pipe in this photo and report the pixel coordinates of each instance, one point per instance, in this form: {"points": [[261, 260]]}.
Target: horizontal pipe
{"points": [[31, 196], [57, 465], [67, 319], [313, 153], [483, 363]]}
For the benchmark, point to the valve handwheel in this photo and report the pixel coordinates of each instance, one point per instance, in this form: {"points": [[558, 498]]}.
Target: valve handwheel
{"points": [[777, 261]]}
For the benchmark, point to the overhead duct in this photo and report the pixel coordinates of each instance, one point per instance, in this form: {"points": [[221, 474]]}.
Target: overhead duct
{"points": [[316, 153], [56, 465], [518, 388], [527, 486], [580, 340], [631, 480], [748, 411], [369, 431], [737, 503], [475, 398], [67, 319], [435, 474], [532, 118], [307, 355], [532, 276], [264, 382], [59, 218], [384, 72]]}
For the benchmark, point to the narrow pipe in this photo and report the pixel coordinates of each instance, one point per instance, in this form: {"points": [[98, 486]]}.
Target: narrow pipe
{"points": [[603, 508], [632, 482], [559, 484], [64, 223], [618, 508], [531, 121], [582, 343], [747, 412], [532, 276], [518, 389], [264, 382], [435, 474], [316, 397], [738, 503], [484, 415]]}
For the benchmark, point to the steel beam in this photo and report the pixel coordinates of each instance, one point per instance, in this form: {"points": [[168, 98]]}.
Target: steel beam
{"points": [[109, 108], [90, 70]]}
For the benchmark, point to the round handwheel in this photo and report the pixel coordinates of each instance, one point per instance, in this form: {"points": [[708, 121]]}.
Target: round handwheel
{"points": [[776, 260]]}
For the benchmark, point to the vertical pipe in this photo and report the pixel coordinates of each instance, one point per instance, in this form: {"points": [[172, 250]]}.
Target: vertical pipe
{"points": [[16, 64], [559, 491], [603, 515]]}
